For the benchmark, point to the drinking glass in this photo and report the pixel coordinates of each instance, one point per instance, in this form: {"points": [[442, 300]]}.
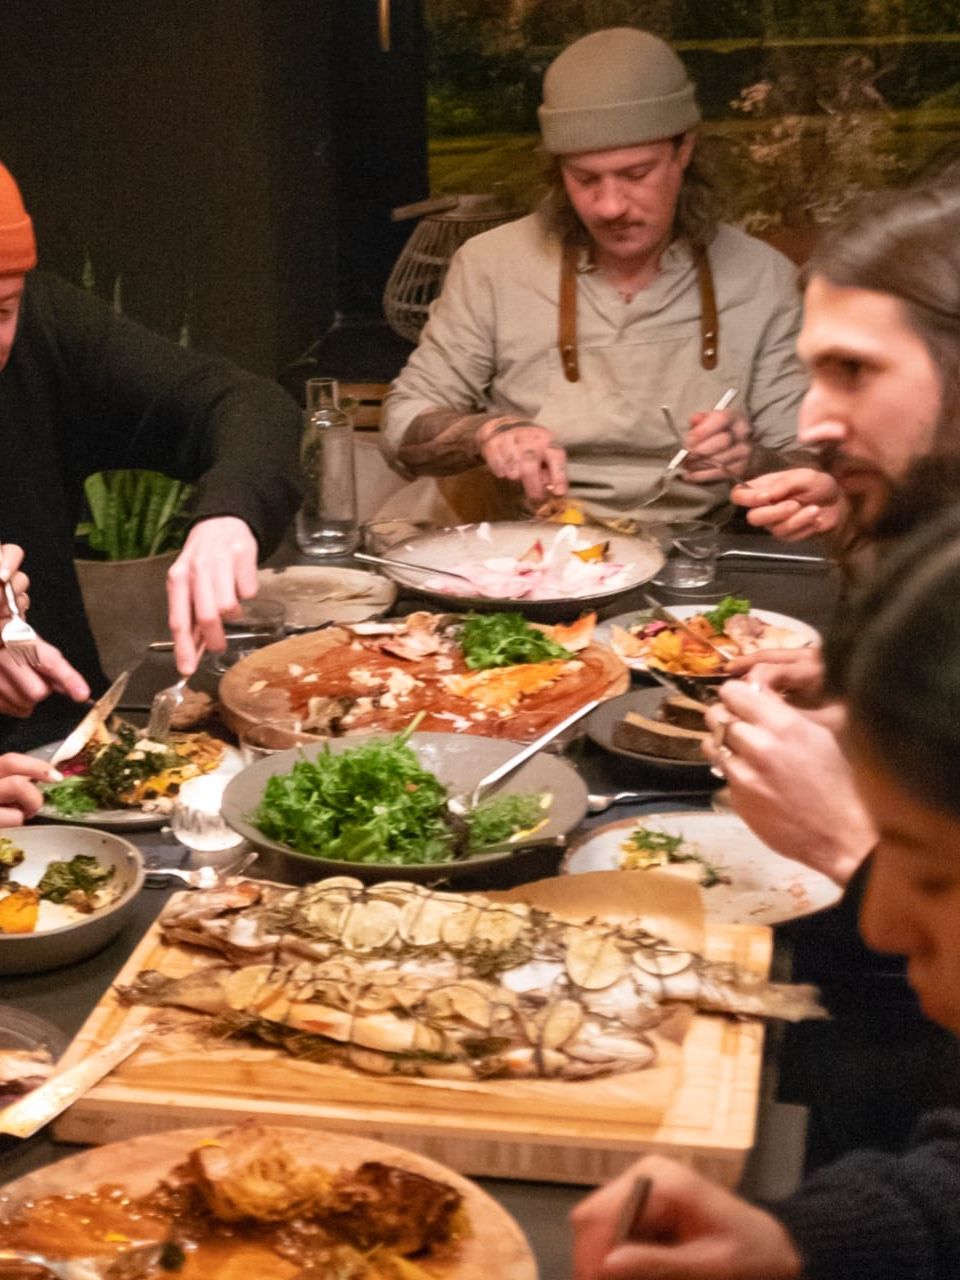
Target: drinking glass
{"points": [[691, 548], [261, 622]]}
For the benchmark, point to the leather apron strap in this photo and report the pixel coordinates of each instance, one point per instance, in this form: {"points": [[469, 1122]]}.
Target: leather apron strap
{"points": [[567, 312], [709, 320]]}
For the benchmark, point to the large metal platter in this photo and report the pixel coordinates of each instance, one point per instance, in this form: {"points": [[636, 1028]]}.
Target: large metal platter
{"points": [[458, 760], [448, 548]]}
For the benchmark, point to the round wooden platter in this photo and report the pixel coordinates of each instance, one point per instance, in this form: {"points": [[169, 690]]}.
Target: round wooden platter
{"points": [[495, 1246], [252, 691]]}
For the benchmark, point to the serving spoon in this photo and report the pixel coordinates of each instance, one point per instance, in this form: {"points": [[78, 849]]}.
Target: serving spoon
{"points": [[367, 558], [466, 801]]}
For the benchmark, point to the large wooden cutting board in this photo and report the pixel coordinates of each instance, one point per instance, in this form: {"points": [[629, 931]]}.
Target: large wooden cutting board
{"points": [[698, 1106]]}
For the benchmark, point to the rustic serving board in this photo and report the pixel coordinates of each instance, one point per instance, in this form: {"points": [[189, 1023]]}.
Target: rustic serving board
{"points": [[699, 1107]]}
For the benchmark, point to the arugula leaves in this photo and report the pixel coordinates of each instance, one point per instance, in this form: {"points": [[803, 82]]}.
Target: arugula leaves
{"points": [[504, 639], [497, 819], [377, 803]]}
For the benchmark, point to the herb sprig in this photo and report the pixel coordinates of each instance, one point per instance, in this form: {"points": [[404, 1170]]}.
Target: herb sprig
{"points": [[504, 639]]}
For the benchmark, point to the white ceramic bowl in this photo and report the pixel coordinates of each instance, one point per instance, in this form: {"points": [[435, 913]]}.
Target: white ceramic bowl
{"points": [[54, 943]]}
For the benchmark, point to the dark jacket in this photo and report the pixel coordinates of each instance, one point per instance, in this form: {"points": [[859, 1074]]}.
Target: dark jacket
{"points": [[86, 390]]}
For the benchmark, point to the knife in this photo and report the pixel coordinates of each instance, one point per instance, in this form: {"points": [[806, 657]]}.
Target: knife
{"points": [[75, 741], [22, 1119], [665, 615]]}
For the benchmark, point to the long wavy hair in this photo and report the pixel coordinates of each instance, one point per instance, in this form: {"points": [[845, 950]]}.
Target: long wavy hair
{"points": [[695, 219], [906, 244]]}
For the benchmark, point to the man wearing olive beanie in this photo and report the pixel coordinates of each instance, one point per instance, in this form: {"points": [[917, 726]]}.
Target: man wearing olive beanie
{"points": [[85, 390], [557, 338]]}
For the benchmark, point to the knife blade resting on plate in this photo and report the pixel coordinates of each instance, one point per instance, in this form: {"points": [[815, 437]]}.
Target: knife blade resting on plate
{"points": [[662, 614], [22, 1119]]}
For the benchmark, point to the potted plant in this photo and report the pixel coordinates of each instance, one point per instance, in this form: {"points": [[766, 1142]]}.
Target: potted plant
{"points": [[134, 532]]}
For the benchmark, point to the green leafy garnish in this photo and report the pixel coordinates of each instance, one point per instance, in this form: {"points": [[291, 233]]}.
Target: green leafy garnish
{"points": [[83, 872], [727, 607], [495, 820], [504, 639], [647, 847], [377, 803], [110, 775], [70, 796]]}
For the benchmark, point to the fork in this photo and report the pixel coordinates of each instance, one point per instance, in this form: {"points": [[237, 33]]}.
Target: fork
{"points": [[135, 1263], [203, 877], [16, 633], [165, 703]]}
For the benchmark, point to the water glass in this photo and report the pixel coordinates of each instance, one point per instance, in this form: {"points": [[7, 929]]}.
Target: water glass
{"points": [[261, 622], [691, 548], [378, 536]]}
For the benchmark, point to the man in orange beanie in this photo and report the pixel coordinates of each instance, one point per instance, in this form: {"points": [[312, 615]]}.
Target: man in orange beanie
{"points": [[84, 390]]}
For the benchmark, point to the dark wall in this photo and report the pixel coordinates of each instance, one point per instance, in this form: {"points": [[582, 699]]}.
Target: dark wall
{"points": [[188, 155]]}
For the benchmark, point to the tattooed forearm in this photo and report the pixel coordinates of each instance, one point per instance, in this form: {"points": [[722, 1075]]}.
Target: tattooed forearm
{"points": [[441, 442]]}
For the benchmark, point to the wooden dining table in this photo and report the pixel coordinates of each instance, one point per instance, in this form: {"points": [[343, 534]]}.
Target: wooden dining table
{"points": [[65, 997]]}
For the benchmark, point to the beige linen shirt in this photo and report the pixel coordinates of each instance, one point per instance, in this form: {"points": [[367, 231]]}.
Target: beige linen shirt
{"points": [[491, 345]]}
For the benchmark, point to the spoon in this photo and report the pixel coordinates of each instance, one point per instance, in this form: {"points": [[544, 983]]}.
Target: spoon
{"points": [[367, 558], [463, 803], [597, 803], [204, 877]]}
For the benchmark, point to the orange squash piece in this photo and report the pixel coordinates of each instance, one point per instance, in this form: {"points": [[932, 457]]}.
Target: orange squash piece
{"points": [[19, 910]]}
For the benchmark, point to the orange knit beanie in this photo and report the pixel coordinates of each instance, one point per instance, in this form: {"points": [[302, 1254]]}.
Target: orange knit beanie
{"points": [[18, 249]]}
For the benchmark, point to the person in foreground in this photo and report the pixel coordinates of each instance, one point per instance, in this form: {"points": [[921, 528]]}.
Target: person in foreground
{"points": [[558, 338], [84, 390], [895, 661]]}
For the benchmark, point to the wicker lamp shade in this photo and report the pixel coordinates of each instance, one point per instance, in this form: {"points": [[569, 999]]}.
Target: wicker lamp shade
{"points": [[419, 272]]}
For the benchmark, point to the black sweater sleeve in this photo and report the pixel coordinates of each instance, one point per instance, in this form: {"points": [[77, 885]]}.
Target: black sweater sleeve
{"points": [[137, 400], [872, 1216]]}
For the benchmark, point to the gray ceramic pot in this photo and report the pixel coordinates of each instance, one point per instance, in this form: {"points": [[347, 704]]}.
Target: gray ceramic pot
{"points": [[126, 605]]}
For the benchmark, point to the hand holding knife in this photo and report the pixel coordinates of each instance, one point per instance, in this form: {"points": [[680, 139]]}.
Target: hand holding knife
{"points": [[76, 740]]}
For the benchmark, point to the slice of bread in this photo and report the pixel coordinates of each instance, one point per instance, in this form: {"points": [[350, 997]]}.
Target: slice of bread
{"points": [[678, 709], [648, 737]]}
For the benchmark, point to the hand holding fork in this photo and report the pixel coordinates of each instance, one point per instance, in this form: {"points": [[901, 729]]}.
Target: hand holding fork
{"points": [[35, 668], [16, 633]]}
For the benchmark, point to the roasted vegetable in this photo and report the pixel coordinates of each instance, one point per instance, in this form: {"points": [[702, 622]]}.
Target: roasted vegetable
{"points": [[83, 873], [19, 911], [11, 856]]}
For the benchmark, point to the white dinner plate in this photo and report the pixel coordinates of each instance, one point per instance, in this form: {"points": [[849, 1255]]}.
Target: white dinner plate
{"points": [[129, 819], [604, 633], [765, 888], [316, 594]]}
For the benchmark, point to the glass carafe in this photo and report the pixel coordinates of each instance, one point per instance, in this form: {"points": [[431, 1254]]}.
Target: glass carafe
{"points": [[327, 522]]}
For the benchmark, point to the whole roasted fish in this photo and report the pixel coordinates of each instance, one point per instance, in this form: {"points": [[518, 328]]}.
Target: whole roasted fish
{"points": [[397, 979]]}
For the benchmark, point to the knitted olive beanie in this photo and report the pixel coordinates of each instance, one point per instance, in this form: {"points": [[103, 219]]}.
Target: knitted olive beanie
{"points": [[615, 88], [18, 250]]}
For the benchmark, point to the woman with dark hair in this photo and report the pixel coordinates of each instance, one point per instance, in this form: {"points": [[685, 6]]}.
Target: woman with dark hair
{"points": [[895, 661]]}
